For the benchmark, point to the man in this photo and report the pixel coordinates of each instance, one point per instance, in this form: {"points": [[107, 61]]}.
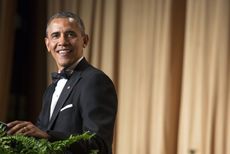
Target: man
{"points": [[83, 99]]}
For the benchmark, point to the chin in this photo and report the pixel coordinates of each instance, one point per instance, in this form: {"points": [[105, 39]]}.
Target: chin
{"points": [[62, 64], [65, 64]]}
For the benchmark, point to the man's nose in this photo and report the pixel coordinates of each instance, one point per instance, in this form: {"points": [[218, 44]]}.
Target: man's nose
{"points": [[63, 40]]}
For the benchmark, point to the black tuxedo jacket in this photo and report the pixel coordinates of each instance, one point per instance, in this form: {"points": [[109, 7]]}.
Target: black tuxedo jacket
{"points": [[88, 102]]}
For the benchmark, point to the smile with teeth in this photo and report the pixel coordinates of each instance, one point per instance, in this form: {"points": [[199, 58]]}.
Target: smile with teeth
{"points": [[64, 51]]}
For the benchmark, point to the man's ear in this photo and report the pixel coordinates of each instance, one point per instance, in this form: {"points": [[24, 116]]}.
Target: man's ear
{"points": [[47, 44], [85, 40]]}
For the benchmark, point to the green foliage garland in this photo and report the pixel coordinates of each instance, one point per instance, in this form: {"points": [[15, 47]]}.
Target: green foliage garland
{"points": [[11, 144]]}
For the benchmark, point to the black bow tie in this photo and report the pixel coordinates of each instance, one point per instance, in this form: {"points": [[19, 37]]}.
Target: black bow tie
{"points": [[62, 75]]}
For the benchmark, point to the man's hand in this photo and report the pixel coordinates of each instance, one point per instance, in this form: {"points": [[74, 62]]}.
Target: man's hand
{"points": [[25, 128]]}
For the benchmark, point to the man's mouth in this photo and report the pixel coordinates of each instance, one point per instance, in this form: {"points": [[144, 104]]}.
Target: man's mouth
{"points": [[63, 52]]}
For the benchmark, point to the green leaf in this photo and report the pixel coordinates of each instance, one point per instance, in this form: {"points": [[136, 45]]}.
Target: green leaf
{"points": [[10, 144]]}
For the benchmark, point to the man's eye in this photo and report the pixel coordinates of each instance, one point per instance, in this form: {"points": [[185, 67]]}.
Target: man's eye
{"points": [[54, 36], [71, 34]]}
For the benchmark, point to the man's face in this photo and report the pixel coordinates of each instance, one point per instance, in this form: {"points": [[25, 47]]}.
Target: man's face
{"points": [[65, 41]]}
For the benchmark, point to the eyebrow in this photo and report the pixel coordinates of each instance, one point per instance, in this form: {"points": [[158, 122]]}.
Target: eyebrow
{"points": [[53, 33]]}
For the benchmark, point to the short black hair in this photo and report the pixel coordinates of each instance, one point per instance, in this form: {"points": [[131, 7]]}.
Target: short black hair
{"points": [[67, 14]]}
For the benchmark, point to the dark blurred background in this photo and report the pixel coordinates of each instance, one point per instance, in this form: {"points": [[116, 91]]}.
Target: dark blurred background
{"points": [[29, 60]]}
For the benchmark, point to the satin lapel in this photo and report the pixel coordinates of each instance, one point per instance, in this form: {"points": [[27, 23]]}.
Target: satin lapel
{"points": [[48, 100], [64, 95]]}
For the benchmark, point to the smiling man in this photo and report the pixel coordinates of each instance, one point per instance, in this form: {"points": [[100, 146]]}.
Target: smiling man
{"points": [[81, 97]]}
